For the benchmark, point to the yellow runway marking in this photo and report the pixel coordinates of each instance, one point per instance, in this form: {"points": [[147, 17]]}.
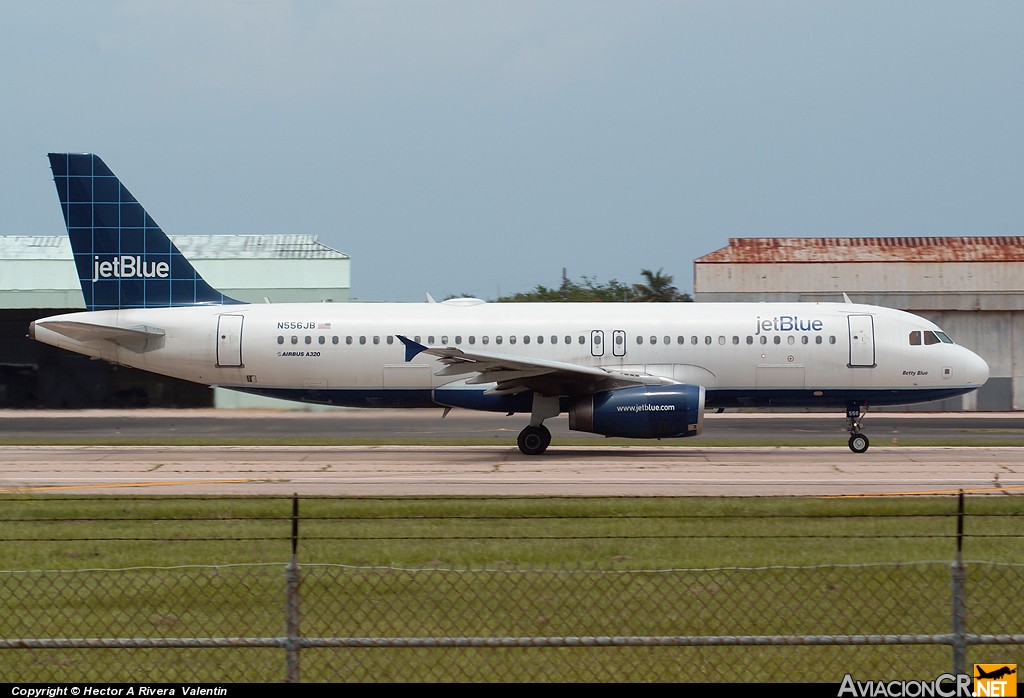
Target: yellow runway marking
{"points": [[49, 488]]}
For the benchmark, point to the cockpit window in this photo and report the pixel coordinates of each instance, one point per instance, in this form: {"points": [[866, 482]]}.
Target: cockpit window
{"points": [[918, 337]]}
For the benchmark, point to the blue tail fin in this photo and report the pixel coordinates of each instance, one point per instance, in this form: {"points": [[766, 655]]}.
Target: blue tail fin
{"points": [[123, 258]]}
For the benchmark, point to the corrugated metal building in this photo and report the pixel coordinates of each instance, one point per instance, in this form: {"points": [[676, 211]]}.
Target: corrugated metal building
{"points": [[38, 272], [972, 287], [38, 278]]}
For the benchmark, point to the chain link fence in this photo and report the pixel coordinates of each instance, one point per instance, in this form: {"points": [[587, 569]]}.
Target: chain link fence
{"points": [[315, 622]]}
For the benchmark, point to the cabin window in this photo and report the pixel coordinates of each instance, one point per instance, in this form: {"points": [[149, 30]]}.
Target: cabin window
{"points": [[485, 339], [777, 339], [540, 339], [915, 338], [790, 340], [619, 340], [526, 339], [693, 340], [832, 339], [295, 340], [430, 339], [348, 340], [472, 339], [817, 340], [639, 339], [764, 340], [280, 339], [554, 339], [497, 340], [583, 339], [444, 339], [805, 339], [309, 340], [735, 339], [362, 339], [654, 340], [680, 340], [707, 340], [512, 339], [376, 339], [931, 338], [568, 339], [322, 340], [458, 339], [390, 339], [334, 339], [750, 340]]}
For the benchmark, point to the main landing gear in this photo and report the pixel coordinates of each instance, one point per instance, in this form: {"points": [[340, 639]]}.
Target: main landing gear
{"points": [[535, 439], [858, 442]]}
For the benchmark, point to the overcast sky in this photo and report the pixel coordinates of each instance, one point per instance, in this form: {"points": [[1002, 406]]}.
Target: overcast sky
{"points": [[480, 147]]}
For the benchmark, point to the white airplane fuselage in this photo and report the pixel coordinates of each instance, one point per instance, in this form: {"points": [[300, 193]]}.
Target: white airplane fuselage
{"points": [[635, 370], [742, 354]]}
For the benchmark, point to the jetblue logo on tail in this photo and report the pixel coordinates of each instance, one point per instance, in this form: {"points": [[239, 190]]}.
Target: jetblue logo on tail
{"points": [[126, 267]]}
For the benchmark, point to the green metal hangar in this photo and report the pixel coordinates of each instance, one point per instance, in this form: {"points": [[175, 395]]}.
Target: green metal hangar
{"points": [[972, 287], [38, 279]]}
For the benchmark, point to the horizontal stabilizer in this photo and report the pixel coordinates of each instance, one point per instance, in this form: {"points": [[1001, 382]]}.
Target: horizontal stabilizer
{"points": [[134, 338]]}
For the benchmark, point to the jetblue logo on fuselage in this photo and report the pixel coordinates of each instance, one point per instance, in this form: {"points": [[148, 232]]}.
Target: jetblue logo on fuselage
{"points": [[128, 267], [787, 323]]}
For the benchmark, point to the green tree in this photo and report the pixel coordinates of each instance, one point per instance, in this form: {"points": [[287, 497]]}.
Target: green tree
{"points": [[588, 290], [658, 289]]}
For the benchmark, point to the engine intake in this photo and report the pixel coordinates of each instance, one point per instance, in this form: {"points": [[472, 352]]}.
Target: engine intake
{"points": [[643, 412]]}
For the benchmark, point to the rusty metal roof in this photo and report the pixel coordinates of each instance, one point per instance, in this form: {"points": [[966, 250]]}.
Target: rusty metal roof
{"points": [[894, 249]]}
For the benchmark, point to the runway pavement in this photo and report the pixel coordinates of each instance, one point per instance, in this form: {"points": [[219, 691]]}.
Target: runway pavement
{"points": [[501, 470], [685, 468]]}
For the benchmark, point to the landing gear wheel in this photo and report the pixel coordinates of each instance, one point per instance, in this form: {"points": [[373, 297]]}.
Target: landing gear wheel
{"points": [[859, 443], [533, 441]]}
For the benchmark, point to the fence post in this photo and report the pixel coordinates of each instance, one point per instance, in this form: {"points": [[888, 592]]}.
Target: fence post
{"points": [[292, 578], [960, 596]]}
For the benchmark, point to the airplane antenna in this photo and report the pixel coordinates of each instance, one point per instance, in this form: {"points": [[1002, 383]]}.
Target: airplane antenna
{"points": [[430, 298], [846, 298]]}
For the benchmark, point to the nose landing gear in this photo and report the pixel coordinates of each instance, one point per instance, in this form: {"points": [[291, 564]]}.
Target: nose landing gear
{"points": [[858, 442]]}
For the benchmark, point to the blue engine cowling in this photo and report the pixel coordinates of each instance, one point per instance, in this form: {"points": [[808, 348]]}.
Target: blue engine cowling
{"points": [[643, 412]]}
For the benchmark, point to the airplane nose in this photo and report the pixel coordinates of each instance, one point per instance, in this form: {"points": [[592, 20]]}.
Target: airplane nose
{"points": [[976, 369]]}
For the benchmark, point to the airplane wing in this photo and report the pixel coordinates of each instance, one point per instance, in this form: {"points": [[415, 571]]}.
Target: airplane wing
{"points": [[133, 338], [515, 374]]}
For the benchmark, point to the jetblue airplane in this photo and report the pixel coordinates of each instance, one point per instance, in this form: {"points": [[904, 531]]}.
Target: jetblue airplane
{"points": [[635, 370]]}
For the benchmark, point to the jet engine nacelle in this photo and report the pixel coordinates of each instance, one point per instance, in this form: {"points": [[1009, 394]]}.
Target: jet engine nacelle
{"points": [[643, 412]]}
